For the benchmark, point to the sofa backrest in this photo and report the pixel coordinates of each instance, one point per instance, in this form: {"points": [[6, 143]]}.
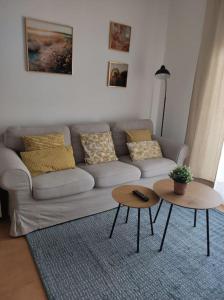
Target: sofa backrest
{"points": [[119, 136], [12, 138], [76, 129]]}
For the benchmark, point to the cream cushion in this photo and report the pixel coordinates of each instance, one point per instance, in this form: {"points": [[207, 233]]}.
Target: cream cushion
{"points": [[151, 167], [77, 129], [98, 147], [112, 173], [61, 184], [144, 150]]}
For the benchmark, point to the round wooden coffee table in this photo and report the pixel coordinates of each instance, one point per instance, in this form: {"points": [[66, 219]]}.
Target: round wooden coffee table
{"points": [[123, 195], [198, 196]]}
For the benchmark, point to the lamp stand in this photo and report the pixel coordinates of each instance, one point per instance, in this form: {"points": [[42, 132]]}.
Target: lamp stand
{"points": [[164, 107]]}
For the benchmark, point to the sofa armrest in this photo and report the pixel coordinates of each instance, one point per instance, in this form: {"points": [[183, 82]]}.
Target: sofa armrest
{"points": [[14, 175], [172, 150]]}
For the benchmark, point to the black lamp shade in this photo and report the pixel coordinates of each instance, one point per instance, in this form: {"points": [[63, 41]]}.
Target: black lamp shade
{"points": [[162, 73]]}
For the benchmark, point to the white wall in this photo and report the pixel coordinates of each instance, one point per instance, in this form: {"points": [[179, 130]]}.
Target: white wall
{"points": [[36, 98], [184, 34], [163, 31]]}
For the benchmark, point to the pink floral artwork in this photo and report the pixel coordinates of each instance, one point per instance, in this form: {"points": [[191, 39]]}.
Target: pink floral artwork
{"points": [[120, 36]]}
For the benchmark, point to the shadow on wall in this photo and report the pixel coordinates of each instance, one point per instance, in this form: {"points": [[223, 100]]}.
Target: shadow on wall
{"points": [[1, 140]]}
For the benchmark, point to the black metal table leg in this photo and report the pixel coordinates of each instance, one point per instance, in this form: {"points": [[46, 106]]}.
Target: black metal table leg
{"points": [[195, 217], [150, 217], [160, 204], [115, 219], [138, 232], [167, 223], [127, 215], [207, 225]]}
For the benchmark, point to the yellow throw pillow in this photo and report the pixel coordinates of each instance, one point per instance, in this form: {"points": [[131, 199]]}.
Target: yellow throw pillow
{"points": [[98, 147], [138, 135], [38, 142], [144, 150], [48, 160]]}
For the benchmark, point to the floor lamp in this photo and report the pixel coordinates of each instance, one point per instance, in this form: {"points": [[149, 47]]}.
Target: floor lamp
{"points": [[163, 74]]}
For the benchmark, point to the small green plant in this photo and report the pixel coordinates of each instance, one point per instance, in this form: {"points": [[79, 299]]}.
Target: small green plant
{"points": [[181, 174]]}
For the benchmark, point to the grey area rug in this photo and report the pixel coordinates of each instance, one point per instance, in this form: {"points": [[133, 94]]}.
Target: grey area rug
{"points": [[77, 260]]}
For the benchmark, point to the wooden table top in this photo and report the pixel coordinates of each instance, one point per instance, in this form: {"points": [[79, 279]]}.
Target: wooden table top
{"points": [[197, 196], [123, 195]]}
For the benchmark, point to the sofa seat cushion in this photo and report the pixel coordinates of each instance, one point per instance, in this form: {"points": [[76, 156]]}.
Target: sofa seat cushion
{"points": [[61, 184], [151, 167], [112, 173]]}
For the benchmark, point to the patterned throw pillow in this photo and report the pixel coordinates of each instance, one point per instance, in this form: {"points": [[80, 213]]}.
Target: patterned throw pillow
{"points": [[38, 142], [98, 147], [144, 150], [48, 160]]}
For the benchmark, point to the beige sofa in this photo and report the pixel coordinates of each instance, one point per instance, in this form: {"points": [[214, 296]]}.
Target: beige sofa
{"points": [[57, 197]]}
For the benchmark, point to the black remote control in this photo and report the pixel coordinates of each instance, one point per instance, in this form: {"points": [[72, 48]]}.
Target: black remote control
{"points": [[140, 195]]}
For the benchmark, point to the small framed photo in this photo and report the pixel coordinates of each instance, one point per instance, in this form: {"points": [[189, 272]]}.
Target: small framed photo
{"points": [[48, 46], [119, 37], [117, 74]]}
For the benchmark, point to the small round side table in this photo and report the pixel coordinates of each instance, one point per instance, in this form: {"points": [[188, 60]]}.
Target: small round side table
{"points": [[198, 196], [123, 195]]}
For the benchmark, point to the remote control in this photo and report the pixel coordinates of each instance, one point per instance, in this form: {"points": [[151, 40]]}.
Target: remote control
{"points": [[140, 195]]}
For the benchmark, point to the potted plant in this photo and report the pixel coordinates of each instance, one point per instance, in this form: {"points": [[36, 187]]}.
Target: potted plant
{"points": [[181, 176]]}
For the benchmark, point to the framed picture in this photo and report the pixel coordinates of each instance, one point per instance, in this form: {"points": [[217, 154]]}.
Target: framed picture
{"points": [[119, 38], [117, 74], [48, 47]]}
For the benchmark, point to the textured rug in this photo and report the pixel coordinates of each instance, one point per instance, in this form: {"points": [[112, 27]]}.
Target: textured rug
{"points": [[77, 260]]}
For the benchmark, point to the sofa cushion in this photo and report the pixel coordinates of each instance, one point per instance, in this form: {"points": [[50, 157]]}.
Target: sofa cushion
{"points": [[138, 135], [13, 136], [61, 184], [119, 135], [98, 147], [151, 167], [76, 129], [46, 141], [144, 150], [48, 160], [112, 173]]}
